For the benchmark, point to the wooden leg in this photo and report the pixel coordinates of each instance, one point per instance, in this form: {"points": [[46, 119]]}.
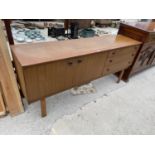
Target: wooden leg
{"points": [[120, 76], [43, 107], [126, 80]]}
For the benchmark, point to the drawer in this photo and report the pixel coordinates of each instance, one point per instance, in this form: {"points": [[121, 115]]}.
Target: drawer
{"points": [[152, 37], [123, 51], [117, 67], [119, 59]]}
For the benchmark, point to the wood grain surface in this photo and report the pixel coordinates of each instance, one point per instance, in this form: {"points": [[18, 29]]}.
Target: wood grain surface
{"points": [[2, 107], [37, 53], [8, 79], [47, 68]]}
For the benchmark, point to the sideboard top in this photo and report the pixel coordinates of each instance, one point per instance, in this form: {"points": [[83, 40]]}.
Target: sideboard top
{"points": [[145, 26], [37, 53]]}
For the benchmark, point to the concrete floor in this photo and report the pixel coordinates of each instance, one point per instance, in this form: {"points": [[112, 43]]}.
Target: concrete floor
{"points": [[124, 108]]}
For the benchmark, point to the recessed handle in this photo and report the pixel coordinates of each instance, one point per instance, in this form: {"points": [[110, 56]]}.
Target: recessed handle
{"points": [[136, 48], [70, 63], [79, 61]]}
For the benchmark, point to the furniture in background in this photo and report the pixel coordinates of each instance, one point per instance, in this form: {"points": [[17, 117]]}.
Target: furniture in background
{"points": [[144, 32], [83, 23], [48, 68], [103, 22], [8, 81]]}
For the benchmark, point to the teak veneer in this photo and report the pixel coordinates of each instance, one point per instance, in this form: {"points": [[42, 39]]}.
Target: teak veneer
{"points": [[47, 68]]}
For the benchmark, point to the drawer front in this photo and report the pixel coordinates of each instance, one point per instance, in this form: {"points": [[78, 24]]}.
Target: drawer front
{"points": [[117, 67], [152, 37], [124, 51], [120, 59]]}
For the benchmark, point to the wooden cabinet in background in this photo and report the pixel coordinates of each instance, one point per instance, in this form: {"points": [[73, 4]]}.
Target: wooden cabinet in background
{"points": [[47, 68], [144, 32]]}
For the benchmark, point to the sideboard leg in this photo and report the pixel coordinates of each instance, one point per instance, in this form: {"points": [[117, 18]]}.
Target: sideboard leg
{"points": [[120, 76], [43, 107]]}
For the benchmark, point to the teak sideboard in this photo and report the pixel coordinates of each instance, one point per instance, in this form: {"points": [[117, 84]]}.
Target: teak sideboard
{"points": [[144, 32], [47, 68]]}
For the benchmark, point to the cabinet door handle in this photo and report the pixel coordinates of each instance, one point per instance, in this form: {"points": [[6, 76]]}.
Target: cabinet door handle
{"points": [[135, 47], [113, 53], [79, 61], [108, 69], [70, 63]]}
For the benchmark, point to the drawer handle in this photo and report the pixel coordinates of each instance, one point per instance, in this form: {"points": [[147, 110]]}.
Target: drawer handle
{"points": [[110, 60], [79, 61], [136, 48], [70, 63], [113, 53]]}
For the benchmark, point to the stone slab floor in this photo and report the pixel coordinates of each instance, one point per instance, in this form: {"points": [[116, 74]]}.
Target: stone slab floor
{"points": [[124, 108]]}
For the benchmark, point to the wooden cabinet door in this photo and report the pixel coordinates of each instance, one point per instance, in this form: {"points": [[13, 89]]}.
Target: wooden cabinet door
{"points": [[89, 68], [50, 78]]}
